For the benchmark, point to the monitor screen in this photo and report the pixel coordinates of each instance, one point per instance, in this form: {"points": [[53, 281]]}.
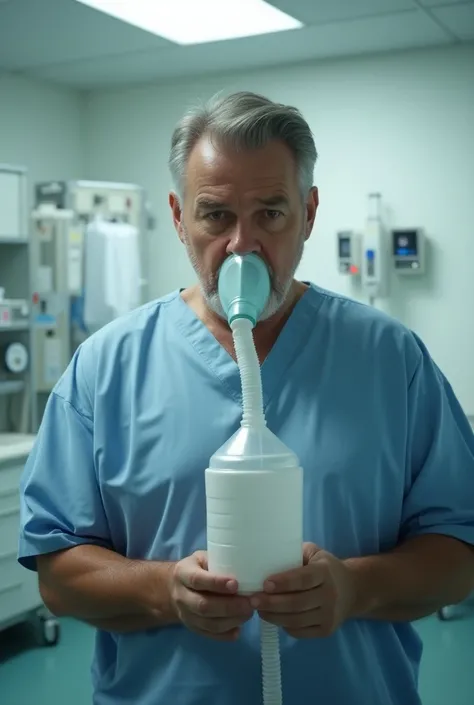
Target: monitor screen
{"points": [[405, 243], [344, 247]]}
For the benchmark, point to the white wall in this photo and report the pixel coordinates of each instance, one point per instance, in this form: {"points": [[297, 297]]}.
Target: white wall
{"points": [[401, 124], [41, 129]]}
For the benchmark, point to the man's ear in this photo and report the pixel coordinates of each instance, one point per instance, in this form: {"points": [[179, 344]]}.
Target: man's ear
{"points": [[312, 204], [177, 213]]}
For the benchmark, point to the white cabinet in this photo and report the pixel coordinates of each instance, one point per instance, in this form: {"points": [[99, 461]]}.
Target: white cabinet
{"points": [[19, 593]]}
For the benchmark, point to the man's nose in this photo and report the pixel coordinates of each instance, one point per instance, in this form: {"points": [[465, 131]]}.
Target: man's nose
{"points": [[243, 239]]}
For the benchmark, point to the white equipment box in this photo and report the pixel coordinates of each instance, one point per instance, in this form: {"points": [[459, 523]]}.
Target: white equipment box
{"points": [[408, 250], [14, 313], [348, 252]]}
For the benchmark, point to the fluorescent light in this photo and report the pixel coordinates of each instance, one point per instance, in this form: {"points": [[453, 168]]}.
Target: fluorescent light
{"points": [[198, 21]]}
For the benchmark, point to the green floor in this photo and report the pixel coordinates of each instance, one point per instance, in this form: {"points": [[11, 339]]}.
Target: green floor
{"points": [[45, 676]]}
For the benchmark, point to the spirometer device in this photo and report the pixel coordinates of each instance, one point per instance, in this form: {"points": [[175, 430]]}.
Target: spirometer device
{"points": [[254, 483]]}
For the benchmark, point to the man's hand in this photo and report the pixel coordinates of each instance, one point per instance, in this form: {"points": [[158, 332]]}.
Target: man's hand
{"points": [[311, 601], [206, 603]]}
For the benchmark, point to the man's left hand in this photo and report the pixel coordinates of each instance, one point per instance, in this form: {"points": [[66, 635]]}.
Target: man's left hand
{"points": [[311, 601]]}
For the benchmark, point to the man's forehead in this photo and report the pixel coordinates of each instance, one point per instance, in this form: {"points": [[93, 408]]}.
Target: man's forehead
{"points": [[211, 166], [208, 201]]}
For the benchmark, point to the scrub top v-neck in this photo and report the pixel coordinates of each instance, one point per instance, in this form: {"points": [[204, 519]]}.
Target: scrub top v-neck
{"points": [[283, 354]]}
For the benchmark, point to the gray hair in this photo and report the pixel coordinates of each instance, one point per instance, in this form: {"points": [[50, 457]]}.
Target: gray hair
{"points": [[244, 120]]}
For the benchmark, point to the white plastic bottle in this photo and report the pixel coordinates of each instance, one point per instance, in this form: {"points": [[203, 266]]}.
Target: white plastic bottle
{"points": [[254, 493]]}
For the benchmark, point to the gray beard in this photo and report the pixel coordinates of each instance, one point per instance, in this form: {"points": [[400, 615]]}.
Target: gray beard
{"points": [[279, 290]]}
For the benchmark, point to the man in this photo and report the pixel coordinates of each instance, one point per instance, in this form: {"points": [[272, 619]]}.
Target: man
{"points": [[113, 508]]}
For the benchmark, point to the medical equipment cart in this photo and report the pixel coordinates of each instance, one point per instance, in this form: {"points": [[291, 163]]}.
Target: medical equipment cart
{"points": [[20, 599]]}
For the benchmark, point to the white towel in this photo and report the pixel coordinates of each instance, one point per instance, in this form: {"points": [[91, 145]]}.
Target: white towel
{"points": [[112, 272]]}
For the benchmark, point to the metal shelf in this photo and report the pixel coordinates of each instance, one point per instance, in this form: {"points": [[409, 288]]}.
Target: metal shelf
{"points": [[11, 386]]}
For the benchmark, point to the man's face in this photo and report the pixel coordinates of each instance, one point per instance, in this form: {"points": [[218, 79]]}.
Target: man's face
{"points": [[237, 202]]}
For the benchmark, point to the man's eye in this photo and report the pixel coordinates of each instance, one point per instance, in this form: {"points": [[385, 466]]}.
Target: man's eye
{"points": [[273, 215], [215, 216]]}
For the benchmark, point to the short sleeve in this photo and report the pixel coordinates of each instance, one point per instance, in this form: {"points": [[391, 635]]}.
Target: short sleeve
{"points": [[61, 503], [440, 458]]}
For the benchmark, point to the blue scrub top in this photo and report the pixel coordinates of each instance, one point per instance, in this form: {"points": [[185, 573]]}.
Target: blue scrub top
{"points": [[127, 435]]}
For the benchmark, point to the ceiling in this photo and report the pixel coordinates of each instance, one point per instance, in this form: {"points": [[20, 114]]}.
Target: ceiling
{"points": [[71, 44]]}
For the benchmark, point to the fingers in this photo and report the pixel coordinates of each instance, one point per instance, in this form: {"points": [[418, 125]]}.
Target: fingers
{"points": [[289, 602], [294, 603], [305, 578], [218, 607], [207, 603], [216, 615], [305, 614], [310, 550], [319, 622], [192, 573]]}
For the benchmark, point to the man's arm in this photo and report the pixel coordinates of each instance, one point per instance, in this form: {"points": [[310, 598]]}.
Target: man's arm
{"points": [[106, 590], [414, 580]]}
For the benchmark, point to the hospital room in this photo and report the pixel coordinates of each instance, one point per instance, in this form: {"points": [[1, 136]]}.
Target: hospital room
{"points": [[236, 352]]}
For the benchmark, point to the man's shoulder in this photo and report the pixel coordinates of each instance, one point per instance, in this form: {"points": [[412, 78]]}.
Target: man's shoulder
{"points": [[359, 325], [346, 309], [115, 347], [134, 324]]}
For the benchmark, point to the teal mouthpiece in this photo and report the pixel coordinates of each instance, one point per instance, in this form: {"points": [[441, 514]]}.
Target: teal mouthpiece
{"points": [[244, 287]]}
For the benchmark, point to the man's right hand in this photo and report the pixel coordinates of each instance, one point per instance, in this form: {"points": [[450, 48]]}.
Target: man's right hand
{"points": [[205, 603]]}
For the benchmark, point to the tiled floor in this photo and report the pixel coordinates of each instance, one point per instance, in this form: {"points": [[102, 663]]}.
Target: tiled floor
{"points": [[60, 675]]}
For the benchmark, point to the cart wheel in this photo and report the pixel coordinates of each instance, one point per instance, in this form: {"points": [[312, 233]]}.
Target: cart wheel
{"points": [[442, 614], [50, 631]]}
